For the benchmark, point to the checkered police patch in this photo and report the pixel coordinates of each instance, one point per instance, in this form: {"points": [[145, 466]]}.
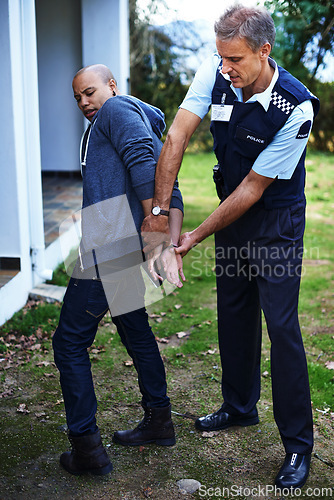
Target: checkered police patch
{"points": [[281, 103]]}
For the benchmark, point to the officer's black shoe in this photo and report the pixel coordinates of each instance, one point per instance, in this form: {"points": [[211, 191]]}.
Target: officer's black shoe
{"points": [[294, 471], [221, 419]]}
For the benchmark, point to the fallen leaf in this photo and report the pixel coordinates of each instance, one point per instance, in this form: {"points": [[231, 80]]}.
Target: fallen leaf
{"points": [[212, 351], [39, 333], [45, 363], [330, 365], [35, 347], [40, 414], [95, 351], [180, 335], [209, 434], [162, 340], [128, 362], [22, 409], [10, 338], [265, 374], [178, 306], [148, 492], [50, 375], [5, 394]]}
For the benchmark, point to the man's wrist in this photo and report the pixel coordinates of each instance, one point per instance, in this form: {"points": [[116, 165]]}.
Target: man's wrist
{"points": [[157, 210], [195, 239]]}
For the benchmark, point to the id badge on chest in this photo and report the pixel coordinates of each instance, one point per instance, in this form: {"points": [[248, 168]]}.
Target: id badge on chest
{"points": [[221, 112]]}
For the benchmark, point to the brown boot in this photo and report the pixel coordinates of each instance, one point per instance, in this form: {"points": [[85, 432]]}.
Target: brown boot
{"points": [[87, 456], [156, 427]]}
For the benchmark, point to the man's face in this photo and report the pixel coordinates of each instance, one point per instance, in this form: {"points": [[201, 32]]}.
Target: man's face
{"points": [[243, 66], [91, 92]]}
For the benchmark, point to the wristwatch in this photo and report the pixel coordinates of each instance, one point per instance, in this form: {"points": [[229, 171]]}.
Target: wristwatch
{"points": [[159, 211]]}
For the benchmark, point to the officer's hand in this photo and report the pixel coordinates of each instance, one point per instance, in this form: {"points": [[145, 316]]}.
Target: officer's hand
{"points": [[186, 243]]}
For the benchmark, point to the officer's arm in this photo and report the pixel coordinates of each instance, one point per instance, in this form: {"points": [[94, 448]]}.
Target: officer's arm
{"points": [[243, 197], [179, 134]]}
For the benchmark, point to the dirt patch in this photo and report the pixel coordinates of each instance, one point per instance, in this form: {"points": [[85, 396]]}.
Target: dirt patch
{"points": [[241, 457]]}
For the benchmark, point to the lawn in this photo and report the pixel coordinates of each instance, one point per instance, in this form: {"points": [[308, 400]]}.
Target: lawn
{"points": [[185, 324]]}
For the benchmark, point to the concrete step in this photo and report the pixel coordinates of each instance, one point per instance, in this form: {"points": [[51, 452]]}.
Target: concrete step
{"points": [[48, 293]]}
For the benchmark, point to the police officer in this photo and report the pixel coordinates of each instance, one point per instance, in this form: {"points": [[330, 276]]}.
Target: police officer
{"points": [[261, 120]]}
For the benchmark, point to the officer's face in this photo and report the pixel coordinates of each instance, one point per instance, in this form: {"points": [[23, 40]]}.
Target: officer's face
{"points": [[91, 92], [244, 67]]}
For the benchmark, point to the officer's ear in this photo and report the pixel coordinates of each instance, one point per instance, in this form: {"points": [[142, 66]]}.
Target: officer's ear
{"points": [[265, 50]]}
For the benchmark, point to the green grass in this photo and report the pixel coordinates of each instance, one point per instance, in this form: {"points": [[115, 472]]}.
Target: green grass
{"points": [[317, 289], [26, 321], [249, 456], [197, 315]]}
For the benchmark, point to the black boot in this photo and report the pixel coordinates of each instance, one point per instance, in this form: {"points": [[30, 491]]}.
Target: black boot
{"points": [[156, 427], [87, 456]]}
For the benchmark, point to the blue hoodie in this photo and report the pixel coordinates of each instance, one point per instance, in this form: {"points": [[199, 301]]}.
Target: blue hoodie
{"points": [[123, 149], [122, 154]]}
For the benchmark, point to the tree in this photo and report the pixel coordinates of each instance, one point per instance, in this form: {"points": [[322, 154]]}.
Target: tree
{"points": [[158, 69], [155, 74], [305, 34]]}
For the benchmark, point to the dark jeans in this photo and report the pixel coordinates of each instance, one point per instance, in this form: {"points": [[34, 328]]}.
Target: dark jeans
{"points": [[258, 266], [84, 306]]}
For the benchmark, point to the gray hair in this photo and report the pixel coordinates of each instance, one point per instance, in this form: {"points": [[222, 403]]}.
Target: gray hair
{"points": [[254, 24]]}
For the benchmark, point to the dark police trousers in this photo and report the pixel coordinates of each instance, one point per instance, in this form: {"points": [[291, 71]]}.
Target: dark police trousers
{"points": [[84, 306], [258, 266]]}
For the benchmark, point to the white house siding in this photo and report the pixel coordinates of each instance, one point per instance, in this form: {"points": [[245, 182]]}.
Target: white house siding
{"points": [[59, 57], [41, 126], [20, 199], [105, 37]]}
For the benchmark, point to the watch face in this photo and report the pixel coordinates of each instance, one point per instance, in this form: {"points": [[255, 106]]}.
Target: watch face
{"points": [[156, 210]]}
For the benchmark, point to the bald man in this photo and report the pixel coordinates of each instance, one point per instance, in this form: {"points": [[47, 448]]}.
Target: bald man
{"points": [[119, 152]]}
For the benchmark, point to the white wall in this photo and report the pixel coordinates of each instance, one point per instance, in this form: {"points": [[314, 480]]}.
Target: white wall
{"points": [[59, 57], [40, 121], [9, 235], [105, 37], [20, 168]]}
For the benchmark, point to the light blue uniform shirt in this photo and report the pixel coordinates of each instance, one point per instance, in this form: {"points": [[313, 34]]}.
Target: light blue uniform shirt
{"points": [[281, 156]]}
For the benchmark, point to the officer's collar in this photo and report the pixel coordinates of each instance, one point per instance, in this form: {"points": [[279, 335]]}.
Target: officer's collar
{"points": [[263, 97]]}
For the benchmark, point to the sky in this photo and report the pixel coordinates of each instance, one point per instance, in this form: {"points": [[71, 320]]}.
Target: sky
{"points": [[190, 10], [209, 11]]}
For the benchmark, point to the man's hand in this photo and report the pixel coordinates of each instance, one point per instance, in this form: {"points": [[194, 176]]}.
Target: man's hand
{"points": [[173, 266], [169, 262], [186, 243], [155, 231]]}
